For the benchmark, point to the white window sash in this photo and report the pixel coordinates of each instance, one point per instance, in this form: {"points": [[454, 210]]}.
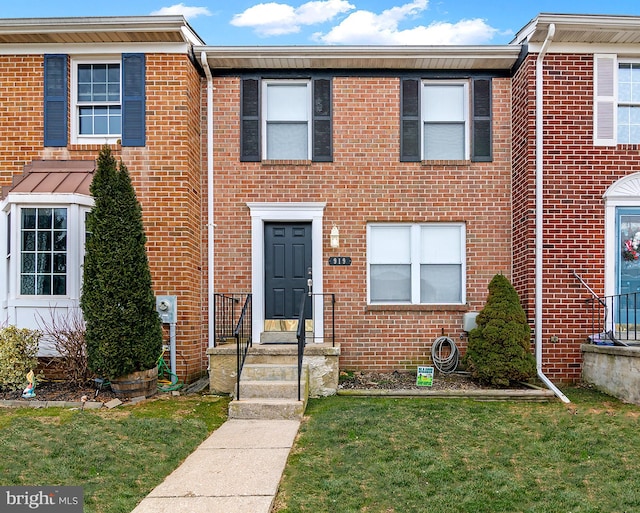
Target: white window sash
{"points": [[304, 118], [461, 115], [416, 259], [76, 138]]}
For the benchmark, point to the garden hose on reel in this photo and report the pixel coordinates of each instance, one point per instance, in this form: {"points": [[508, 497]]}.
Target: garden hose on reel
{"points": [[445, 364]]}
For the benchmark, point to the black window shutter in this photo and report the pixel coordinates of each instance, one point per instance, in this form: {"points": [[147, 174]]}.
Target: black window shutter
{"points": [[410, 120], [322, 125], [250, 120], [133, 99], [55, 100], [481, 121]]}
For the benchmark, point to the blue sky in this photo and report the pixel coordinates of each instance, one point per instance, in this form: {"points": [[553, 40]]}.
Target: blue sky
{"points": [[359, 22]]}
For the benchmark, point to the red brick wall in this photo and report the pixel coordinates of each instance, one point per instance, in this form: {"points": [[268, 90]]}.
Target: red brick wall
{"points": [[367, 183], [166, 173], [577, 174]]}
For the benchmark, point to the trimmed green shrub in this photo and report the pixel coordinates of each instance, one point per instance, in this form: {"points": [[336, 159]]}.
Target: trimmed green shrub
{"points": [[123, 328], [18, 355], [499, 349]]}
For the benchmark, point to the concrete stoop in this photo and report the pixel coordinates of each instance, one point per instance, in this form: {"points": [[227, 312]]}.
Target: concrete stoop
{"points": [[269, 385]]}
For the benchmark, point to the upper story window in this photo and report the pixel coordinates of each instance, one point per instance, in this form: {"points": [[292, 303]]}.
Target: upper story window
{"points": [[416, 263], [107, 100], [445, 120], [286, 113], [286, 119], [629, 103], [616, 103], [98, 109]]}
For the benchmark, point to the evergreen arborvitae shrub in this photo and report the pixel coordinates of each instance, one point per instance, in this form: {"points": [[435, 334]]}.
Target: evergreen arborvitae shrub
{"points": [[499, 349], [123, 328]]}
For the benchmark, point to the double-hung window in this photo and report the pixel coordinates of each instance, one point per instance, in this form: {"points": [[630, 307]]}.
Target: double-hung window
{"points": [[616, 100], [105, 102], [286, 119], [98, 99], [416, 263], [445, 120], [445, 127]]}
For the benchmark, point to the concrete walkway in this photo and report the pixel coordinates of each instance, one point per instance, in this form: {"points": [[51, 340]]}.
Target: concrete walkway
{"points": [[236, 470]]}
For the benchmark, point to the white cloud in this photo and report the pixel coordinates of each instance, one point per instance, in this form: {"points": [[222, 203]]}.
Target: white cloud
{"points": [[366, 27], [272, 18], [184, 10]]}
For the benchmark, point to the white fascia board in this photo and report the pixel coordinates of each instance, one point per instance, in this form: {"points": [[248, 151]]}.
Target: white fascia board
{"points": [[94, 49]]}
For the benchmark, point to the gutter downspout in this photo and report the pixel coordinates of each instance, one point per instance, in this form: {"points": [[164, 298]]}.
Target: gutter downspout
{"points": [[210, 225], [540, 214]]}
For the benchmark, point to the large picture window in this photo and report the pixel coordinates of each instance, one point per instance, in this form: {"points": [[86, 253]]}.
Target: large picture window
{"points": [[417, 263]]}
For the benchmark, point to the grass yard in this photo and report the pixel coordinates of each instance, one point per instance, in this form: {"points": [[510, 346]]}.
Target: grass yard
{"points": [[381, 455], [118, 456]]}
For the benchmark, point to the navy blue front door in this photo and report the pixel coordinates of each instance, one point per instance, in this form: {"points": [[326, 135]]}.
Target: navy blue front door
{"points": [[287, 261]]}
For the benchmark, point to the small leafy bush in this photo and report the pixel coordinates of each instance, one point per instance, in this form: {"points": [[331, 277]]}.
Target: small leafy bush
{"points": [[499, 349], [18, 355]]}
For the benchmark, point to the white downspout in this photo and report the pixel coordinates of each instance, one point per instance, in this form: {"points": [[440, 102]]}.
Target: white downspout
{"points": [[539, 213], [210, 225]]}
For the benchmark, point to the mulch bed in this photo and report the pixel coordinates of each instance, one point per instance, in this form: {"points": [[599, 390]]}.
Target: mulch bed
{"points": [[62, 391], [407, 381]]}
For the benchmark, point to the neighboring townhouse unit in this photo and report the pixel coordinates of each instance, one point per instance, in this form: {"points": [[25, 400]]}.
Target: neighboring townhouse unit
{"points": [[585, 157], [400, 179], [67, 87]]}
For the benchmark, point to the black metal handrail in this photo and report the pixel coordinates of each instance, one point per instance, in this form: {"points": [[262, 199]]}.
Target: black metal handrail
{"points": [[622, 324], [243, 336], [600, 315], [224, 317], [301, 335]]}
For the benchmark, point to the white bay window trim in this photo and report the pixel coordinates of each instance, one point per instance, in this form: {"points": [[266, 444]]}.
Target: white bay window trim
{"points": [[20, 309]]}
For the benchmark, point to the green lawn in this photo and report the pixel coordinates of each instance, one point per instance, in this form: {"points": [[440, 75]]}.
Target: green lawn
{"points": [[380, 455], [118, 456]]}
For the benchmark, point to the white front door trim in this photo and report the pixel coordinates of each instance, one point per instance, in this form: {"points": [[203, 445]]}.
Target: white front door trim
{"points": [[623, 193], [284, 212]]}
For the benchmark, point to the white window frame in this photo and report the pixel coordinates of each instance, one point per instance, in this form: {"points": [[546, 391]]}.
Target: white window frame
{"points": [[465, 111], [76, 137], [264, 110], [416, 261], [12, 302], [619, 102]]}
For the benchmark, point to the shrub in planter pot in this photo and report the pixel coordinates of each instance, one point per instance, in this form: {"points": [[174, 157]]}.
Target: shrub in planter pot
{"points": [[123, 329], [499, 348]]}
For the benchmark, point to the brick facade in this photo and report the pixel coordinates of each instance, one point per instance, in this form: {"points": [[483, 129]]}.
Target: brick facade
{"points": [[366, 182]]}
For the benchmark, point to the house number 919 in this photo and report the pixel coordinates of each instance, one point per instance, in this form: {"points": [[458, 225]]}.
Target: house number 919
{"points": [[339, 260]]}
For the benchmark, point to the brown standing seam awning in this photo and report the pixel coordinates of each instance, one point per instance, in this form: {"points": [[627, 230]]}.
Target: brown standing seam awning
{"points": [[53, 176]]}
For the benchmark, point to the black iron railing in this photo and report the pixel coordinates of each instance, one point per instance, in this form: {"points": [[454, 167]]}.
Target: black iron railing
{"points": [[243, 336], [301, 335], [224, 317], [614, 319]]}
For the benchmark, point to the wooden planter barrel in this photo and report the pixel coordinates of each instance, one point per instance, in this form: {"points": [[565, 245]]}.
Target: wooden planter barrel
{"points": [[136, 384]]}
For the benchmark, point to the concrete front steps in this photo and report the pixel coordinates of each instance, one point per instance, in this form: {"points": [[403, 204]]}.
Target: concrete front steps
{"points": [[269, 385]]}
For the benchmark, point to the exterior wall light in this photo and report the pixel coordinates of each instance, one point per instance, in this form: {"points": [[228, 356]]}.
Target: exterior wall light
{"points": [[335, 237]]}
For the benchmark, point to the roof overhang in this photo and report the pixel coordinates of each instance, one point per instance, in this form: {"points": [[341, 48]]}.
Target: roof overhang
{"points": [[361, 57], [589, 29], [90, 30]]}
